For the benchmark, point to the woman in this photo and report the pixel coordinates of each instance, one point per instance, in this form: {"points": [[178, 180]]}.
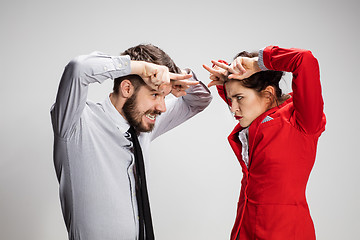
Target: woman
{"points": [[275, 140]]}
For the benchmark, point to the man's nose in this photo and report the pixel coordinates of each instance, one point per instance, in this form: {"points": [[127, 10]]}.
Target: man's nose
{"points": [[160, 106]]}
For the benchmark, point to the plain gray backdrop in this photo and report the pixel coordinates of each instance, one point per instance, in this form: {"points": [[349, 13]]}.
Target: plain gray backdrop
{"points": [[195, 177]]}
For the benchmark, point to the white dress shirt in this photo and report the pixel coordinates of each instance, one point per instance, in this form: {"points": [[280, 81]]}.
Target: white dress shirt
{"points": [[244, 139], [92, 151]]}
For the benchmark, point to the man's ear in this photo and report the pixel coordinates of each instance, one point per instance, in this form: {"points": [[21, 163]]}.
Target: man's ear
{"points": [[126, 88]]}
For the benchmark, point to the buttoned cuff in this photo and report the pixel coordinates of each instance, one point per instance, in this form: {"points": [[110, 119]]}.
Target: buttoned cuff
{"points": [[122, 63]]}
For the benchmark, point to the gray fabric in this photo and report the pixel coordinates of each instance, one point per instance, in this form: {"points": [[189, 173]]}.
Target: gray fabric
{"points": [[92, 152], [261, 60]]}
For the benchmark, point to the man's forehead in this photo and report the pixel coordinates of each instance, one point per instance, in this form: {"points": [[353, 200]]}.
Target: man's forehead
{"points": [[165, 91]]}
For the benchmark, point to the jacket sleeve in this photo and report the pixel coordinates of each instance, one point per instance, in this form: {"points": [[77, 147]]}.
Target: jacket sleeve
{"points": [[222, 94], [307, 97], [178, 110], [73, 88]]}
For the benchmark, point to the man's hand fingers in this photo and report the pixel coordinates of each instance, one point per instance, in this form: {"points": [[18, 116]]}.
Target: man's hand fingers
{"points": [[163, 77], [175, 76], [184, 82], [165, 88], [177, 93]]}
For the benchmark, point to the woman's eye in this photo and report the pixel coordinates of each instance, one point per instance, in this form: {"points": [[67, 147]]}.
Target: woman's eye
{"points": [[239, 97]]}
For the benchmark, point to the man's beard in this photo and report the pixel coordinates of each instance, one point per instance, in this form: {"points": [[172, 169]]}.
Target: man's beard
{"points": [[134, 116]]}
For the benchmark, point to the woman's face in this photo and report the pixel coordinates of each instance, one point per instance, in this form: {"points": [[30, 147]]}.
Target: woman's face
{"points": [[246, 103]]}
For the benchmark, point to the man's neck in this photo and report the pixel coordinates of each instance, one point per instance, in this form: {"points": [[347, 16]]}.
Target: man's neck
{"points": [[118, 103]]}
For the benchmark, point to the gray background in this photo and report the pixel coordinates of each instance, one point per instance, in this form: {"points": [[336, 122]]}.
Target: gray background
{"points": [[195, 178]]}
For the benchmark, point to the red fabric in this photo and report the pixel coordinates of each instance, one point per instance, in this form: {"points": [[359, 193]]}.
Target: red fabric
{"points": [[272, 202]]}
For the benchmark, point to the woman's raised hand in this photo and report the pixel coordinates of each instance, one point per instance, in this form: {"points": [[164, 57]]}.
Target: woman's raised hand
{"points": [[243, 67], [218, 73], [240, 68]]}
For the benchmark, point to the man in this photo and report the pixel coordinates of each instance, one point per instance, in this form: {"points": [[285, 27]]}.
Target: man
{"points": [[95, 152]]}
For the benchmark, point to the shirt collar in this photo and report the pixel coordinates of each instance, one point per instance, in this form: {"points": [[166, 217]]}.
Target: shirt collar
{"points": [[114, 114]]}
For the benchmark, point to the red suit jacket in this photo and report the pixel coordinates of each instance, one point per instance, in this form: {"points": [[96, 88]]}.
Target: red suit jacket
{"points": [[272, 202]]}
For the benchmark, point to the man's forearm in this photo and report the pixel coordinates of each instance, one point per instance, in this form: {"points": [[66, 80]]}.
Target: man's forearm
{"points": [[73, 88], [198, 96]]}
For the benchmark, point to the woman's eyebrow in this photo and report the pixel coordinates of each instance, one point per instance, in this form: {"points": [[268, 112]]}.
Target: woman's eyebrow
{"points": [[236, 95]]}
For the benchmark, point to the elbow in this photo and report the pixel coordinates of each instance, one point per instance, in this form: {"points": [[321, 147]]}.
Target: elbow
{"points": [[307, 56], [206, 101], [76, 66], [209, 99], [206, 97], [200, 103], [304, 59]]}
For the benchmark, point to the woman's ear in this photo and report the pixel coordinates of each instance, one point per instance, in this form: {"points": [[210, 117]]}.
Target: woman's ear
{"points": [[269, 94], [126, 88]]}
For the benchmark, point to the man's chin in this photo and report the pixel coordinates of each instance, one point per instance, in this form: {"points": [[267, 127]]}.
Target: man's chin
{"points": [[143, 128]]}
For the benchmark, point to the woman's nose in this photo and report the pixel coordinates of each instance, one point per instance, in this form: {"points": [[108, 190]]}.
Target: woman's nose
{"points": [[234, 107]]}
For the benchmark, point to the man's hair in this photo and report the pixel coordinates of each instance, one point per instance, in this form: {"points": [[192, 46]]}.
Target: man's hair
{"points": [[147, 53]]}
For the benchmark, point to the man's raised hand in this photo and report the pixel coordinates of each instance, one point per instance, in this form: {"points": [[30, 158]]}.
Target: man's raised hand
{"points": [[156, 76]]}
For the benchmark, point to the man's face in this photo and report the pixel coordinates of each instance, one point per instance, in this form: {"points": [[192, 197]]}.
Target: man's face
{"points": [[142, 108]]}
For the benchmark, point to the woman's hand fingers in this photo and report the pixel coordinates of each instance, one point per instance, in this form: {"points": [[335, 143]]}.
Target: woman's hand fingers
{"points": [[217, 72], [214, 83], [237, 65], [221, 65]]}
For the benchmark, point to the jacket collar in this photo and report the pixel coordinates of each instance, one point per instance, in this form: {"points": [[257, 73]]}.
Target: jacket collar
{"points": [[253, 128]]}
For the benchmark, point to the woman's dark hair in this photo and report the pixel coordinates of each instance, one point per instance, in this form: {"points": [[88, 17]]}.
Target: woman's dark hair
{"points": [[147, 53], [260, 80]]}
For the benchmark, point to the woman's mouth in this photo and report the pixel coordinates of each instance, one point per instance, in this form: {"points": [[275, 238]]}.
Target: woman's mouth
{"points": [[238, 117]]}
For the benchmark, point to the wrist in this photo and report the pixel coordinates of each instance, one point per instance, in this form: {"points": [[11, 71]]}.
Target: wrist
{"points": [[256, 64], [136, 67]]}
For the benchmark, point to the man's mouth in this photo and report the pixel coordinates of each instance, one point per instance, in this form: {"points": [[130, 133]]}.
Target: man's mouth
{"points": [[152, 117]]}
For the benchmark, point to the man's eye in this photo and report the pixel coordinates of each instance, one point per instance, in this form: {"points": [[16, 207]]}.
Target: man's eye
{"points": [[155, 95]]}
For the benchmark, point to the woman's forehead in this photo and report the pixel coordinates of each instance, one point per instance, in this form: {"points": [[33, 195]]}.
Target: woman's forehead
{"points": [[234, 87]]}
